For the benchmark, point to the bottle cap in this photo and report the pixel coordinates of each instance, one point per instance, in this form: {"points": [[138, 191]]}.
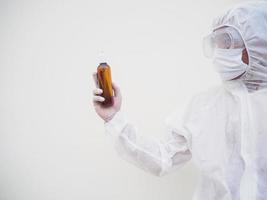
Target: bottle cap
{"points": [[102, 57]]}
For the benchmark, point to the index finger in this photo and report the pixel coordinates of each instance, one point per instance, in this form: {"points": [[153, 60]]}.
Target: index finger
{"points": [[95, 79]]}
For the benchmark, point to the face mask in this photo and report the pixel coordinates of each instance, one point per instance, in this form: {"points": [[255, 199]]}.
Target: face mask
{"points": [[228, 62]]}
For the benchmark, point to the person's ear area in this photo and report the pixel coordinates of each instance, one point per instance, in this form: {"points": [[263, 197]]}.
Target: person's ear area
{"points": [[245, 58]]}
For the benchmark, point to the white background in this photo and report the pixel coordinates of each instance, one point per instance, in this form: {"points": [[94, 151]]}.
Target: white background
{"points": [[52, 144]]}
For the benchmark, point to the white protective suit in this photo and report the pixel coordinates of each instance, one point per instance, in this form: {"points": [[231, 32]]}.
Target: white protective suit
{"points": [[224, 130]]}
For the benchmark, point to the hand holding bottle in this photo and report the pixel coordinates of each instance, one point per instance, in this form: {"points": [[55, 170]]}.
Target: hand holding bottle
{"points": [[106, 112]]}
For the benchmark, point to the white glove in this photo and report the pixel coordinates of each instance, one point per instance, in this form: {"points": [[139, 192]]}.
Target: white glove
{"points": [[106, 113]]}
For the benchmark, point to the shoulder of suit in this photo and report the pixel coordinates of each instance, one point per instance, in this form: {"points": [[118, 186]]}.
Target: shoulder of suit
{"points": [[209, 97]]}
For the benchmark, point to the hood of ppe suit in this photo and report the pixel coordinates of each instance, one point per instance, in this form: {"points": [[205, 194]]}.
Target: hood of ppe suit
{"points": [[250, 20]]}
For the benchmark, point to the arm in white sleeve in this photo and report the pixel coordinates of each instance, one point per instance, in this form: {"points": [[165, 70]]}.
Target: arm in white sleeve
{"points": [[158, 157]]}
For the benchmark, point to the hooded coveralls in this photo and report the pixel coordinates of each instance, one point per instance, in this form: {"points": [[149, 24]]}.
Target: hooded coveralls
{"points": [[223, 130]]}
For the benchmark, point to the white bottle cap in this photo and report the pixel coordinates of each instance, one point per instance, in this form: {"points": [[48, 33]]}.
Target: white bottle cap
{"points": [[102, 57]]}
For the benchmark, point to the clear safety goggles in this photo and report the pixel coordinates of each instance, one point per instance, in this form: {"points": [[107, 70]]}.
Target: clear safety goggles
{"points": [[223, 38]]}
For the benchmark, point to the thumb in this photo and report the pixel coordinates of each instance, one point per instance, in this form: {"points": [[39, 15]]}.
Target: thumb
{"points": [[117, 92]]}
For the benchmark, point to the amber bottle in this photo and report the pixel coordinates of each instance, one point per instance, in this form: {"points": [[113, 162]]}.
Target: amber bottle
{"points": [[105, 83]]}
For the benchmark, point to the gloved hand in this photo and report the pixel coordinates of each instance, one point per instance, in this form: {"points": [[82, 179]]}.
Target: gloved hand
{"points": [[106, 113]]}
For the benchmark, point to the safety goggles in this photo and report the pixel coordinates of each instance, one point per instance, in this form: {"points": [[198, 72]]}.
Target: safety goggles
{"points": [[223, 38]]}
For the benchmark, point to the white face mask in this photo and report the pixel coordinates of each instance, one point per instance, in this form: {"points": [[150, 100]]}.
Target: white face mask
{"points": [[228, 62]]}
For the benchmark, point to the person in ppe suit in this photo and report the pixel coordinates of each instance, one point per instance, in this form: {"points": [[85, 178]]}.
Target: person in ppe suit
{"points": [[224, 129]]}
